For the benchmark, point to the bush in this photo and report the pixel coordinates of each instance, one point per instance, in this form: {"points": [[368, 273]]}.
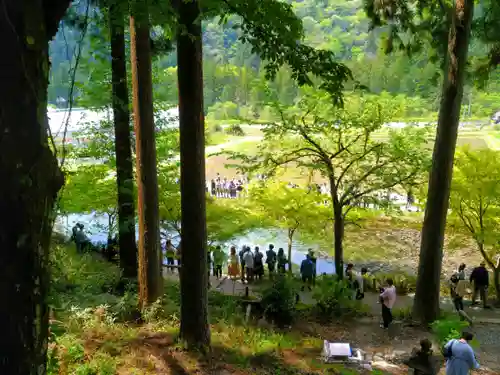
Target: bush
{"points": [[334, 298], [278, 301], [404, 313], [404, 283], [448, 328], [235, 129]]}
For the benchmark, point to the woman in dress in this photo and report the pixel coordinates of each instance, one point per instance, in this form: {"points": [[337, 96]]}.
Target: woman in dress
{"points": [[234, 264]]}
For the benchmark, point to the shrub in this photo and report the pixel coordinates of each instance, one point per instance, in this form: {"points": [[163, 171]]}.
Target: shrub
{"points": [[235, 129], [448, 328], [403, 282], [278, 301], [334, 298], [404, 313]]}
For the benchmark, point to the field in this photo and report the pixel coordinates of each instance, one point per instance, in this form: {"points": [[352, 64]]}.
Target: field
{"points": [[248, 144]]}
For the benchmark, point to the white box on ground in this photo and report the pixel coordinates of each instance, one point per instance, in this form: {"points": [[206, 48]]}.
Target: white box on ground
{"points": [[334, 352]]}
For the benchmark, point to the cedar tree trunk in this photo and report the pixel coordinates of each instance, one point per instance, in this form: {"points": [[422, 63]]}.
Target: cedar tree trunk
{"points": [[30, 181], [194, 272], [150, 268], [123, 147], [426, 305]]}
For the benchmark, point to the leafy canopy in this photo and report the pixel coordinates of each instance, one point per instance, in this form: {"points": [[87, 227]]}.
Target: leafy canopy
{"points": [[289, 208], [475, 198], [350, 146]]}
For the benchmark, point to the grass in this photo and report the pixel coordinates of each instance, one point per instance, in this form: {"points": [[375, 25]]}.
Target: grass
{"points": [[92, 332]]}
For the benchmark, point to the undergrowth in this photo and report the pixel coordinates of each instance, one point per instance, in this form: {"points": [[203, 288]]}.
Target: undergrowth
{"points": [[93, 330]]}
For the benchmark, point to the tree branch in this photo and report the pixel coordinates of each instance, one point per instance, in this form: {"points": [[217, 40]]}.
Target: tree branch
{"points": [[355, 160], [54, 11]]}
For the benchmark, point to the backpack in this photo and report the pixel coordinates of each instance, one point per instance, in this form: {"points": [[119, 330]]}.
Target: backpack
{"points": [[448, 353]]}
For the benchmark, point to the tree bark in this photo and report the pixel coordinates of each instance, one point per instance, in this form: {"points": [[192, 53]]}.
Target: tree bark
{"points": [[338, 229], [123, 145], [426, 305], [496, 281], [291, 232], [194, 272], [150, 282], [338, 234], [31, 179]]}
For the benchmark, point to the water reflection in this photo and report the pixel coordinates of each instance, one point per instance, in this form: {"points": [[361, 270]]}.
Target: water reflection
{"points": [[96, 226]]}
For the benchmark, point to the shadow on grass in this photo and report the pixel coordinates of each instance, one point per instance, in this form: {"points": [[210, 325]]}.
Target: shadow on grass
{"points": [[223, 360]]}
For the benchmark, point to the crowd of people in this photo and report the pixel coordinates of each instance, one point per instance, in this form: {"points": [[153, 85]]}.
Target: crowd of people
{"points": [[246, 264]]}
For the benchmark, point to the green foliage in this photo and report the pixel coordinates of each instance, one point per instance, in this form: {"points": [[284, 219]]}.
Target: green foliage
{"points": [[235, 129], [475, 198], [278, 301], [289, 208], [403, 282], [84, 277], [334, 298], [448, 328]]}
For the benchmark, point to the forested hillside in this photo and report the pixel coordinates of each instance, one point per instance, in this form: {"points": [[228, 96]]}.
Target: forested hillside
{"points": [[235, 80]]}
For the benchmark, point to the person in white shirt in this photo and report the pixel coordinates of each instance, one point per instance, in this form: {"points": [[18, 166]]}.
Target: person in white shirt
{"points": [[249, 263], [387, 299]]}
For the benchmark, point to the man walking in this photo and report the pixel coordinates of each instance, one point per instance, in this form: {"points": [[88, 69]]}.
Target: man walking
{"points": [[480, 279]]}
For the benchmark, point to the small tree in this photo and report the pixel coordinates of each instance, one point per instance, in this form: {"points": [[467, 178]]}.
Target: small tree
{"points": [[475, 201], [91, 189], [290, 208], [349, 146]]}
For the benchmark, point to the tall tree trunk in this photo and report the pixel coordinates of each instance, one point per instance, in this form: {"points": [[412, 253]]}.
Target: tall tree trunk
{"points": [[496, 282], [426, 305], [31, 179], [123, 146], [338, 228], [150, 282], [291, 232], [338, 234], [194, 272]]}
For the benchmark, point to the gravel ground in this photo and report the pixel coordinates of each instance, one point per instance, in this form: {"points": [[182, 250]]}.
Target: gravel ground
{"points": [[488, 337]]}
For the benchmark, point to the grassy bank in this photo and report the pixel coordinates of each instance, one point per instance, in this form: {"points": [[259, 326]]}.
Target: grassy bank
{"points": [[94, 331]]}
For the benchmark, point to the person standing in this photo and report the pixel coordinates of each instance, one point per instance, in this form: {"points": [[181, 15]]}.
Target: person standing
{"points": [[271, 261], [282, 261], [460, 358], [234, 264], [387, 299], [480, 279], [314, 261], [359, 284], [170, 254], [258, 265], [461, 271], [249, 264], [219, 260], [306, 271], [242, 261], [458, 289]]}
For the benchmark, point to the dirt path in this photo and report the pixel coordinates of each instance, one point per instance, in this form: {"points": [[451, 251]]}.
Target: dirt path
{"points": [[237, 288]]}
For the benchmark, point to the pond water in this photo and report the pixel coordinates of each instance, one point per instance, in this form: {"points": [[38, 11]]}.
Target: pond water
{"points": [[96, 224]]}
